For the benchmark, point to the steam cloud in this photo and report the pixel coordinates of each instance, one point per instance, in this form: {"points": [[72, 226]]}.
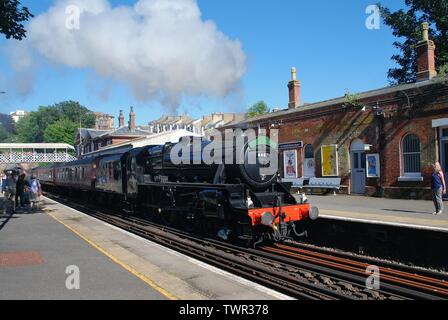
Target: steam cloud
{"points": [[23, 67], [162, 49]]}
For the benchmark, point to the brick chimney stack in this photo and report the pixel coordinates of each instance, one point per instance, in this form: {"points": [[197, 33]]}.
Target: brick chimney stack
{"points": [[426, 64], [294, 90], [132, 119], [121, 119]]}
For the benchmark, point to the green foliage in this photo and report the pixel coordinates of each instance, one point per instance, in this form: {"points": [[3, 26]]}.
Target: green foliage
{"points": [[62, 131], [443, 71], [258, 109], [7, 123], [4, 134], [28, 129], [6, 128], [12, 14], [33, 127], [352, 100], [406, 26], [12, 138]]}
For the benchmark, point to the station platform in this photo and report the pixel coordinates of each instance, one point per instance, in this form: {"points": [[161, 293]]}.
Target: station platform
{"points": [[416, 214], [38, 251]]}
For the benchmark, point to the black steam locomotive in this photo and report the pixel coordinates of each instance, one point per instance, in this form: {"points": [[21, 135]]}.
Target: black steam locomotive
{"points": [[237, 202]]}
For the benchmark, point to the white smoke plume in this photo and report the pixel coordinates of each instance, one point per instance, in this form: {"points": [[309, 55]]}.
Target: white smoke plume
{"points": [[23, 66], [162, 49]]}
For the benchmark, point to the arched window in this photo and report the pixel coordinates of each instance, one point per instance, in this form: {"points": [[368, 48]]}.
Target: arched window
{"points": [[411, 156], [309, 151]]}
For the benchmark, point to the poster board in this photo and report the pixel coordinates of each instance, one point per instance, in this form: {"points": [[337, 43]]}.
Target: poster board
{"points": [[373, 165], [290, 164], [329, 160]]}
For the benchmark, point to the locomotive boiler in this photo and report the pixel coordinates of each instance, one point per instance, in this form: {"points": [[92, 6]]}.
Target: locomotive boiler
{"points": [[199, 161]]}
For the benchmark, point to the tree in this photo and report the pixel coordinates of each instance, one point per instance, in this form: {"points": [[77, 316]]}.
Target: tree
{"points": [[29, 130], [7, 122], [12, 14], [4, 134], [62, 131], [406, 25], [32, 127], [75, 112], [258, 109]]}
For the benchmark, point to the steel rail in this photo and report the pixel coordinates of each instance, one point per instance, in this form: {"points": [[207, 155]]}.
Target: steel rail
{"points": [[364, 265], [436, 275], [415, 291]]}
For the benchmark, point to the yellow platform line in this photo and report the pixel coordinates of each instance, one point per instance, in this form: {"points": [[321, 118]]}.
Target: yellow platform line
{"points": [[142, 277]]}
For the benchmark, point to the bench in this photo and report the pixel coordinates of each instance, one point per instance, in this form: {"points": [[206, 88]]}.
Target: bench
{"points": [[296, 183], [324, 183]]}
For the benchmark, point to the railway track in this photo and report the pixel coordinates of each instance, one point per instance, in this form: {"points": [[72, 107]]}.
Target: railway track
{"points": [[405, 280], [274, 267]]}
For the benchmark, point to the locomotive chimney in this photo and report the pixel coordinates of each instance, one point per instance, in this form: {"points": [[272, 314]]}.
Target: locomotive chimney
{"points": [[294, 90], [121, 119], [132, 119], [426, 65]]}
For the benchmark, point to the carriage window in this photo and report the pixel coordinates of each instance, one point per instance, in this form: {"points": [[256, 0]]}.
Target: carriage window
{"points": [[117, 171], [411, 156], [111, 171]]}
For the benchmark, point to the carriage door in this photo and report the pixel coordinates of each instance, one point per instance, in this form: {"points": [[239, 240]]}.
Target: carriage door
{"points": [[358, 166], [444, 151]]}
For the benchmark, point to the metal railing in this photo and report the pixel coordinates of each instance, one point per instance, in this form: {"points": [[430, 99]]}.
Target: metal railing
{"points": [[19, 157]]}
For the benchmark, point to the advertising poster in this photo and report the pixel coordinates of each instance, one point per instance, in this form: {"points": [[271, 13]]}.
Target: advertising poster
{"points": [[373, 166], [330, 161], [290, 164], [310, 168]]}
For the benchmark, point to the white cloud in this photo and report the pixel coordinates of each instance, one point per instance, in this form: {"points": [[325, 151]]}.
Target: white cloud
{"points": [[162, 49]]}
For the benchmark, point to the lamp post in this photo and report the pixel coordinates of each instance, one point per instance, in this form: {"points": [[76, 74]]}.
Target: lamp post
{"points": [[2, 92]]}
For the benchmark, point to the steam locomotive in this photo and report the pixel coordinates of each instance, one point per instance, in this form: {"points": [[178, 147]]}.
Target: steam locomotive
{"points": [[236, 202]]}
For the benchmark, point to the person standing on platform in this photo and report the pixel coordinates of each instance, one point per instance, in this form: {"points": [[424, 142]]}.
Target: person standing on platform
{"points": [[20, 190], [35, 192], [438, 187], [3, 183], [10, 191]]}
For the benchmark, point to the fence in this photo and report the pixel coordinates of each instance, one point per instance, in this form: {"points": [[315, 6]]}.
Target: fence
{"points": [[19, 157]]}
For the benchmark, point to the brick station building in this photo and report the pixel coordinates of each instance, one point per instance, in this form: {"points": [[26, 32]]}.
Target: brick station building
{"points": [[404, 127]]}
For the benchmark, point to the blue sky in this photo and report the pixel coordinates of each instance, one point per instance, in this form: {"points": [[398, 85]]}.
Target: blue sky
{"points": [[326, 41]]}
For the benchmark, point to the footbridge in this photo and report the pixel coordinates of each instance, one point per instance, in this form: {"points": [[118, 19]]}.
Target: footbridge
{"points": [[23, 153]]}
